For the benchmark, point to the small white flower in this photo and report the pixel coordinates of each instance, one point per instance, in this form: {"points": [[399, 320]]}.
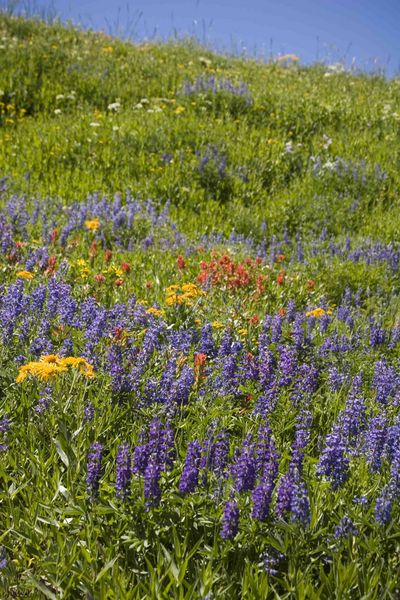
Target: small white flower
{"points": [[289, 147], [94, 124], [327, 141], [115, 106], [60, 97], [58, 111]]}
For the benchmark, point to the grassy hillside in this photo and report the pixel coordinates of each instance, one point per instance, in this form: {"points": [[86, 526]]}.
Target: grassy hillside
{"points": [[84, 112], [199, 323]]}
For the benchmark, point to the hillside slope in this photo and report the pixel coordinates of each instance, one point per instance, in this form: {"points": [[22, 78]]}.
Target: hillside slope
{"points": [[307, 148], [199, 324]]}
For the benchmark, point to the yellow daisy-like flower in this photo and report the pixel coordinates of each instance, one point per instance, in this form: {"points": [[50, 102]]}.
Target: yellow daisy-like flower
{"points": [[92, 224], [51, 365], [317, 312], [155, 311], [171, 289], [174, 299], [25, 275], [50, 358], [41, 370], [182, 295]]}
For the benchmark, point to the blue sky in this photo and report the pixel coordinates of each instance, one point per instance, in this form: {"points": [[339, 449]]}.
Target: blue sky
{"points": [[366, 31]]}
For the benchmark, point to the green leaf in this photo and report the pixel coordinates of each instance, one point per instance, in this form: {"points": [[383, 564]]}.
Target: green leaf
{"points": [[106, 568]]}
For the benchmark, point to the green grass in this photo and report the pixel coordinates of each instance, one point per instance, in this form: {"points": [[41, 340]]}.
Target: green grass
{"points": [[62, 154]]}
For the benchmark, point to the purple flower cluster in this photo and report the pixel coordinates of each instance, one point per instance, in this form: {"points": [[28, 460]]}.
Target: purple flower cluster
{"points": [[230, 520], [94, 469]]}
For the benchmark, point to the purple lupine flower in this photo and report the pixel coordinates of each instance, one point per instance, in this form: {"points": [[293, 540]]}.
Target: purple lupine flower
{"points": [[383, 507], [152, 490], [324, 322], [393, 439], [287, 365], [4, 425], [3, 559], [166, 446], [190, 473], [276, 329], [298, 331], [116, 369], [333, 462], [286, 489], [267, 366], [263, 447], [94, 469], [225, 348], [267, 468], [159, 448], [385, 381], [375, 441], [124, 471], [303, 428], [141, 457], [230, 520], [244, 469], [300, 504], [395, 471], [266, 402], [88, 412], [271, 559], [362, 500], [336, 379], [44, 400], [291, 310], [305, 385], [67, 348], [181, 387], [377, 336], [394, 337], [345, 528], [220, 452], [261, 496], [207, 345], [353, 418]]}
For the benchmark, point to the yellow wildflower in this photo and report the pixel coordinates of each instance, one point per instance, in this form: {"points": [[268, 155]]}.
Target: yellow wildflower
{"points": [[25, 275], [155, 311], [317, 312], [183, 294], [41, 370], [172, 289], [51, 365], [107, 49], [50, 358], [174, 299], [217, 325], [92, 224]]}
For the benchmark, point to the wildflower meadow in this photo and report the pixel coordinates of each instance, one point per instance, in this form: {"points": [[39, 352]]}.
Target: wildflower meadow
{"points": [[199, 323]]}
